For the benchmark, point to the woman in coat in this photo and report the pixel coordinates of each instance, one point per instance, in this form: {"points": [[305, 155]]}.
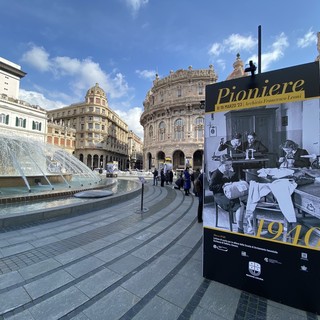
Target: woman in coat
{"points": [[187, 181]]}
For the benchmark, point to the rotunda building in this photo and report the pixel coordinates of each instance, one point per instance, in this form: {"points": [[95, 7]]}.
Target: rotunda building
{"points": [[173, 119]]}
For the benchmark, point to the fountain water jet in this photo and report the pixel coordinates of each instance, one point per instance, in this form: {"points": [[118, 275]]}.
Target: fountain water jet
{"points": [[33, 164]]}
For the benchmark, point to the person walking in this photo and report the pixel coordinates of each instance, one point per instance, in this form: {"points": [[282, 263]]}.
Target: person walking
{"points": [[155, 177], [199, 191], [187, 181], [162, 177]]}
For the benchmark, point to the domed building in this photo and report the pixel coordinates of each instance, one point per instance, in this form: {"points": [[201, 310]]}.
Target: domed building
{"points": [[101, 135], [173, 119]]}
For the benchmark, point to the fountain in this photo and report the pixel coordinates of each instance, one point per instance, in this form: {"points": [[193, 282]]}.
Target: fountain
{"points": [[32, 166], [39, 181]]}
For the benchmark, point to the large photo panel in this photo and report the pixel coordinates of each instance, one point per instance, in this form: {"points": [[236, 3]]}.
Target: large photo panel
{"points": [[262, 195]]}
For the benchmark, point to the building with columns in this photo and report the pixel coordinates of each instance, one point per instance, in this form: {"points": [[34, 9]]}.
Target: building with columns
{"points": [[173, 119], [101, 135]]}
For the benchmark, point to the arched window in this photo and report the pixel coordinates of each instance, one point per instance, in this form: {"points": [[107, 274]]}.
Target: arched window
{"points": [[198, 128], [179, 129], [162, 131]]}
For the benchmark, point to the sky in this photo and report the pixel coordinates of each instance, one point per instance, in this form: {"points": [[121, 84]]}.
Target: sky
{"points": [[66, 47]]}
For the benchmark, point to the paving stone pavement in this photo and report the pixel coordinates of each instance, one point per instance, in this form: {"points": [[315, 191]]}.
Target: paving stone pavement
{"points": [[121, 263]]}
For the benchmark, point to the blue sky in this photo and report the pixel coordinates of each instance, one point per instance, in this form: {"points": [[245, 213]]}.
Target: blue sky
{"points": [[67, 46]]}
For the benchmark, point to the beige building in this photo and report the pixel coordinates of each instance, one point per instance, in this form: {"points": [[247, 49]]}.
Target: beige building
{"points": [[173, 119], [61, 136], [135, 150], [101, 136]]}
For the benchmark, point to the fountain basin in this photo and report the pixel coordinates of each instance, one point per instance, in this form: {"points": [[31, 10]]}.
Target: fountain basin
{"points": [[63, 211], [33, 180]]}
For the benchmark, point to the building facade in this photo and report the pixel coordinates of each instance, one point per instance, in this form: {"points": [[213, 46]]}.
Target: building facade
{"points": [[101, 135], [61, 136], [173, 119], [135, 150], [17, 117]]}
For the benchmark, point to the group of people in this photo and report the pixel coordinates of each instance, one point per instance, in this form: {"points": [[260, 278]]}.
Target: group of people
{"points": [[236, 146], [186, 180], [165, 177], [292, 157]]}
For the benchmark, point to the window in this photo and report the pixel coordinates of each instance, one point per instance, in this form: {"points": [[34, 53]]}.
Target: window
{"points": [[4, 118], [161, 96], [150, 131], [36, 125], [199, 127], [21, 122], [200, 88], [179, 129], [179, 91], [162, 130]]}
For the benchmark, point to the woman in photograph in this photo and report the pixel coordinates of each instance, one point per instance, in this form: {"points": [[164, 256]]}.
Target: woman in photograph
{"points": [[223, 175], [293, 156]]}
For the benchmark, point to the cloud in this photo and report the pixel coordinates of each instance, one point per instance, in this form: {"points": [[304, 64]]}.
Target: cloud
{"points": [[310, 38], [132, 118], [236, 43], [38, 99], [38, 58], [275, 53], [82, 74], [216, 49], [146, 74], [233, 44], [136, 5]]}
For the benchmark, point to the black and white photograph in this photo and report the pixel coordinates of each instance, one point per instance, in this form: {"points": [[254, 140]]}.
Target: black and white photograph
{"points": [[262, 169]]}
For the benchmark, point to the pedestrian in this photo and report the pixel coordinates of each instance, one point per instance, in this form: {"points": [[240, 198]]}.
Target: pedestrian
{"points": [[170, 177], [199, 190], [162, 177], [167, 177], [194, 176], [155, 177], [187, 181]]}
